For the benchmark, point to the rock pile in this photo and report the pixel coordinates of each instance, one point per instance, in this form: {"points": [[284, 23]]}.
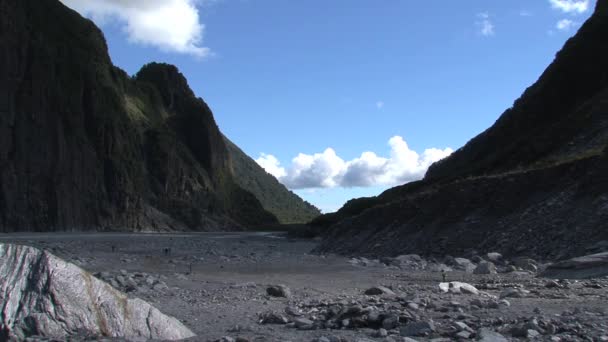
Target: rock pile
{"points": [[133, 282], [491, 263]]}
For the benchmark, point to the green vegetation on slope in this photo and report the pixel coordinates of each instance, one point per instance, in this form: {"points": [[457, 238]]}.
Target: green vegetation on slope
{"points": [[274, 196]]}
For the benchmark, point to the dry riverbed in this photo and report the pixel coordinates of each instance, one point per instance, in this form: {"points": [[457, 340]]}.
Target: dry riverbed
{"points": [[218, 285]]}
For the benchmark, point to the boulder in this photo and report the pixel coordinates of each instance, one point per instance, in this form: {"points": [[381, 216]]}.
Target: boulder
{"points": [[464, 265], [488, 335], [379, 290], [589, 266], [418, 328], [494, 257], [513, 293], [43, 295], [458, 287], [485, 267], [278, 291]]}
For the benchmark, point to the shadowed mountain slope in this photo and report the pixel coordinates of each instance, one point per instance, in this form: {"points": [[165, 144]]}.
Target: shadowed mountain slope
{"points": [[534, 183], [83, 146], [288, 207]]}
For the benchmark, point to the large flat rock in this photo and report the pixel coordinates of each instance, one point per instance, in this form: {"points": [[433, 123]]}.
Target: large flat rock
{"points": [[41, 294], [589, 266]]}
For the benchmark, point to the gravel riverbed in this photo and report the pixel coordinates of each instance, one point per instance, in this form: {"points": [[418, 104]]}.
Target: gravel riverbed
{"points": [[267, 287]]}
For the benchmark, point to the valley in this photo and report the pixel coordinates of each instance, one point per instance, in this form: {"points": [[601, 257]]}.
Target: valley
{"points": [[217, 285]]}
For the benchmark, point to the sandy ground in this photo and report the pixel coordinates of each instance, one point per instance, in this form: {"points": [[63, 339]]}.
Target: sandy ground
{"points": [[216, 284]]}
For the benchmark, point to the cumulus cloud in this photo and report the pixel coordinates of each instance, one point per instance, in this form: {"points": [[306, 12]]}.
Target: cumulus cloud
{"points": [[565, 25], [486, 27], [570, 6], [171, 25], [328, 170], [272, 165]]}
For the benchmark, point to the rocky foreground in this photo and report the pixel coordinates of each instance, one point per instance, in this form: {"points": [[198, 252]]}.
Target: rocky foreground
{"points": [[42, 295], [263, 287]]}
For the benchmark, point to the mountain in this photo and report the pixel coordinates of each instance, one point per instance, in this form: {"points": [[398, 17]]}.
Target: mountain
{"points": [[83, 146], [534, 183], [288, 207]]}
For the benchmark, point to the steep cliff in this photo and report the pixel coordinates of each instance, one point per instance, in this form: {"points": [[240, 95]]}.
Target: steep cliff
{"points": [[83, 146], [534, 183]]}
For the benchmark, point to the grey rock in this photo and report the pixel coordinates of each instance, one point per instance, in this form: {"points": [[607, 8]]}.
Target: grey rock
{"points": [[44, 295], [488, 335], [589, 266], [409, 261], [303, 323], [418, 328], [476, 259], [494, 257], [461, 326], [518, 331], [438, 268], [390, 322], [526, 264], [290, 310], [485, 267], [464, 265], [531, 333], [413, 306], [379, 290], [514, 293], [463, 334], [273, 318], [278, 291]]}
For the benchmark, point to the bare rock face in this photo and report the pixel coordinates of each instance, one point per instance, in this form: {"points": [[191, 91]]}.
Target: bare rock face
{"points": [[42, 295], [84, 146], [589, 266], [534, 184]]}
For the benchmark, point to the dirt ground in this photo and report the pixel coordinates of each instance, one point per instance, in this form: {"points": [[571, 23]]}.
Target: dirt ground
{"points": [[216, 283]]}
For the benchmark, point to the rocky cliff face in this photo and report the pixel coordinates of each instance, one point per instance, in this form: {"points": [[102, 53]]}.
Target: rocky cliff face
{"points": [[274, 196], [559, 118], [534, 183], [42, 295], [83, 146]]}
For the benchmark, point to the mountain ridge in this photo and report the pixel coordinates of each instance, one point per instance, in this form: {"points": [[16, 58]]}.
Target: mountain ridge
{"points": [[549, 152], [86, 147]]}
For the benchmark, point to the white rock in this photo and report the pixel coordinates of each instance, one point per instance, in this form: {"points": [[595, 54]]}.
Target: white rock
{"points": [[41, 294], [458, 287]]}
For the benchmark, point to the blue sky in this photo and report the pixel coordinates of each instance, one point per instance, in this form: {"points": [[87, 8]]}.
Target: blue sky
{"points": [[325, 81]]}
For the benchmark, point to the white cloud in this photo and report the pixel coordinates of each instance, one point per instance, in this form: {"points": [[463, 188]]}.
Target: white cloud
{"points": [[486, 27], [565, 25], [570, 6], [320, 170], [328, 170], [272, 165], [380, 104], [171, 25]]}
